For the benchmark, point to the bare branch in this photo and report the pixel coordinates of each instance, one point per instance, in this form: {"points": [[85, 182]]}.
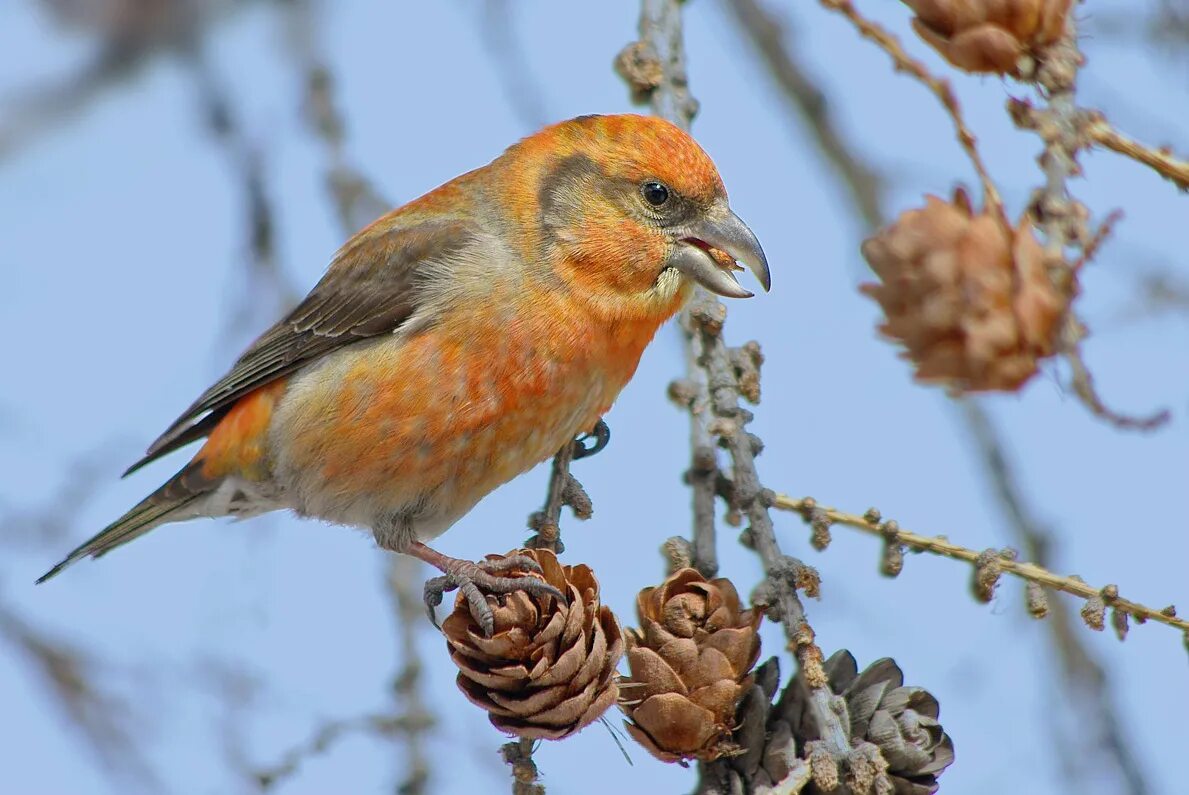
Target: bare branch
{"points": [[654, 69], [1065, 132], [939, 86]]}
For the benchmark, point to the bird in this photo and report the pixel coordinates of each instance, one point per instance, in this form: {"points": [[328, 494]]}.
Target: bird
{"points": [[458, 341]]}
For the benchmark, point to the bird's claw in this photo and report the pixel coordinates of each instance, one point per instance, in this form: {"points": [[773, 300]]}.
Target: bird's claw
{"points": [[474, 580], [601, 434]]}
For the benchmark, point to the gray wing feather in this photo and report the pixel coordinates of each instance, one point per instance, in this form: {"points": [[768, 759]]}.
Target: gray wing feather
{"points": [[369, 289]]}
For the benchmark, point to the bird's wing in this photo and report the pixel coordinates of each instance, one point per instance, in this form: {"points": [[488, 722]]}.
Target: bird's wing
{"points": [[370, 289]]}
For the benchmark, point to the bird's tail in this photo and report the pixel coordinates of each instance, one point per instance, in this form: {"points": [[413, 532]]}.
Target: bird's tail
{"points": [[179, 499]]}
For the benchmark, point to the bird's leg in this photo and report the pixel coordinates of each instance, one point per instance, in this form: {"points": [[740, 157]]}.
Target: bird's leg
{"points": [[474, 579]]}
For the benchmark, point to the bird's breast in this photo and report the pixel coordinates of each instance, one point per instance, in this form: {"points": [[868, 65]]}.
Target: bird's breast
{"points": [[430, 423]]}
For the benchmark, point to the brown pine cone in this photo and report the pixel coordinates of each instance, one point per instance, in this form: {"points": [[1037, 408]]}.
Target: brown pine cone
{"points": [[989, 35], [548, 669], [689, 666], [968, 296]]}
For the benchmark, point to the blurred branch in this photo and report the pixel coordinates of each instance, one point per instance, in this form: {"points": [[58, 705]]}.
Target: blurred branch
{"points": [[325, 737], [525, 776], [44, 107], [265, 274], [1167, 25], [1082, 677], [521, 88], [127, 36], [72, 676], [766, 31], [415, 720], [1160, 292], [410, 721], [52, 520], [356, 201]]}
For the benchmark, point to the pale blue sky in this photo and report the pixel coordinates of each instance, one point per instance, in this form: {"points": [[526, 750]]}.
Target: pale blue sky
{"points": [[124, 249]]}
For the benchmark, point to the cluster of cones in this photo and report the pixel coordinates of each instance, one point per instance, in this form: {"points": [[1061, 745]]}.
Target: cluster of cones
{"points": [[549, 669]]}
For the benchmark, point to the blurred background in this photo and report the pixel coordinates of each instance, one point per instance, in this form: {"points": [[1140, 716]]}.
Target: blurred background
{"points": [[173, 173]]}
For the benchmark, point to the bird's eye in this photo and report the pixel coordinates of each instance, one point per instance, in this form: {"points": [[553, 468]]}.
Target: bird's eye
{"points": [[654, 193]]}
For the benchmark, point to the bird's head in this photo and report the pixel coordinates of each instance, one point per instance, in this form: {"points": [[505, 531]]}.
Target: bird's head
{"points": [[631, 210]]}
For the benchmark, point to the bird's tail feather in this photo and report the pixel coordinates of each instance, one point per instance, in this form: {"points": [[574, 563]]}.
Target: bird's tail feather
{"points": [[173, 502]]}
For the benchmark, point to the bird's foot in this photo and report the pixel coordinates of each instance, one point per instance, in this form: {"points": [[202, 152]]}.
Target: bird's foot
{"points": [[474, 580], [599, 437]]}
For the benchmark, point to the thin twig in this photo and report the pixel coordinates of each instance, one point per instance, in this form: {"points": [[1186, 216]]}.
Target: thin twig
{"points": [[1082, 382], [654, 68], [872, 524], [563, 490], [939, 86], [1161, 160]]}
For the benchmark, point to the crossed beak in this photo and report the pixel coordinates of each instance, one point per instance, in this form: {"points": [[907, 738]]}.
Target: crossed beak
{"points": [[707, 251]]}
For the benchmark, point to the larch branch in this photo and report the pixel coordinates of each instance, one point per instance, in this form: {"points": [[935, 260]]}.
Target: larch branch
{"points": [[872, 523]]}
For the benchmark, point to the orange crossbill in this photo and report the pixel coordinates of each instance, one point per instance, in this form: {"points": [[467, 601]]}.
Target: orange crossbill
{"points": [[458, 341]]}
